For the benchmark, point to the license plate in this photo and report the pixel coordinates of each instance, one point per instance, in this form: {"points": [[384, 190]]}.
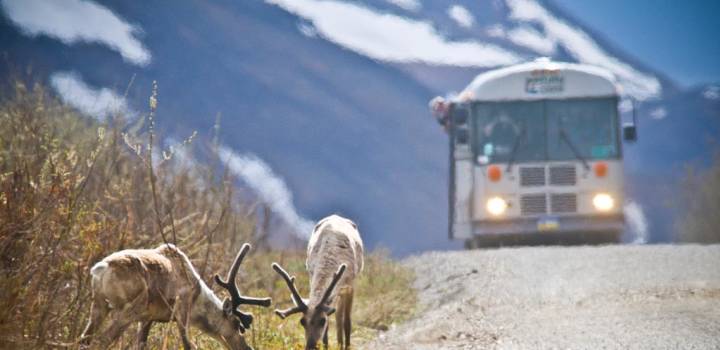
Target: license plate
{"points": [[548, 224]]}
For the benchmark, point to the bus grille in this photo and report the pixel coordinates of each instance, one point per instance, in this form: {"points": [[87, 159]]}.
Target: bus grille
{"points": [[563, 203], [532, 176], [563, 175], [533, 204]]}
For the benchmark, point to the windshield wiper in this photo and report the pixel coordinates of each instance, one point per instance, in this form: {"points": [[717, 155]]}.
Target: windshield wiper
{"points": [[564, 136], [516, 144]]}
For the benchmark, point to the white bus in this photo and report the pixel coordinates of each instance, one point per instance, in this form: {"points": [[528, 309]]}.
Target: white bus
{"points": [[536, 153]]}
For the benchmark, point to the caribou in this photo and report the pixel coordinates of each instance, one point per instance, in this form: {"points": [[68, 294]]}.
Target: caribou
{"points": [[161, 285], [334, 259]]}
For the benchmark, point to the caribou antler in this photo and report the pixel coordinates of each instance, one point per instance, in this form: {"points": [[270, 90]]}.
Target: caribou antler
{"points": [[300, 305], [235, 296], [336, 278]]}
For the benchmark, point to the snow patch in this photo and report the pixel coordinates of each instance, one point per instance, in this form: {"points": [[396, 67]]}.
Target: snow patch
{"points": [[532, 39], [625, 105], [409, 5], [97, 103], [72, 21], [268, 186], [637, 228], [712, 93], [461, 16], [393, 38], [495, 31], [583, 48], [307, 29], [659, 113]]}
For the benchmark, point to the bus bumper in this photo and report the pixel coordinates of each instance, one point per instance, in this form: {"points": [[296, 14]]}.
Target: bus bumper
{"points": [[539, 225]]}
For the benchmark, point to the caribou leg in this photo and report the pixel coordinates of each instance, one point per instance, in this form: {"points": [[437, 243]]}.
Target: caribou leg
{"points": [[143, 334], [121, 320], [325, 337], [98, 311], [348, 301], [339, 322]]}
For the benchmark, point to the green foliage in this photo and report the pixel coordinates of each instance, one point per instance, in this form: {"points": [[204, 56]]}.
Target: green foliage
{"points": [[73, 190], [701, 205]]}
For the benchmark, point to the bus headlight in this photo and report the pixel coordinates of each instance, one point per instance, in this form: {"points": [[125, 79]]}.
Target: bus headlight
{"points": [[496, 206], [603, 202]]}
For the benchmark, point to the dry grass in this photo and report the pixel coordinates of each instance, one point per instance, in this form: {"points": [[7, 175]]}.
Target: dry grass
{"points": [[700, 204], [73, 190]]}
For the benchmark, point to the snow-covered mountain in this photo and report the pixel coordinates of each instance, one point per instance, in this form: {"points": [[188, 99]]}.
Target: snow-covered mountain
{"points": [[331, 95]]}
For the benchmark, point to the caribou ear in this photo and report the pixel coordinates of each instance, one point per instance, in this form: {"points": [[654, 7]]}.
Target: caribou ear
{"points": [[330, 311], [227, 307]]}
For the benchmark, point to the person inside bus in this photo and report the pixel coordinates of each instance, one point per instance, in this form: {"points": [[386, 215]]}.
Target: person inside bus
{"points": [[499, 136]]}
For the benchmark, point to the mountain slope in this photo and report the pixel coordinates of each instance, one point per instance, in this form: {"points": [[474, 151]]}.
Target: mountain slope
{"points": [[337, 106]]}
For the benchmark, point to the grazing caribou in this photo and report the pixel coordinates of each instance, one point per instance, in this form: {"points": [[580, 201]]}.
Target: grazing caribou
{"points": [[161, 285], [334, 259]]}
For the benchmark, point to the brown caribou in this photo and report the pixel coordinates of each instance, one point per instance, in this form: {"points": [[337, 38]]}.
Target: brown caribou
{"points": [[161, 285]]}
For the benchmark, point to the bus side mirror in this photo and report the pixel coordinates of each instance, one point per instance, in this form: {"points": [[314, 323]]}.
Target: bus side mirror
{"points": [[629, 133], [630, 129]]}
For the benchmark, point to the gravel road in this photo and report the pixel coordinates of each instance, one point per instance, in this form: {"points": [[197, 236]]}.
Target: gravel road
{"points": [[608, 297]]}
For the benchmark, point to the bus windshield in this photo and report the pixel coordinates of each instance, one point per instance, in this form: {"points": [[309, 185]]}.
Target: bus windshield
{"points": [[527, 131]]}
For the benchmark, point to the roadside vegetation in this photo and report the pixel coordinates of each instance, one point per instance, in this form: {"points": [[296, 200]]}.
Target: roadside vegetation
{"points": [[73, 190], [701, 204]]}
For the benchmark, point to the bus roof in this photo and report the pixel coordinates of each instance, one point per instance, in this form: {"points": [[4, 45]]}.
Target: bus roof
{"points": [[541, 79]]}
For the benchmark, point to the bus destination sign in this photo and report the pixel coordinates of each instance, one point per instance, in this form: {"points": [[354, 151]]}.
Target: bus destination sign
{"points": [[544, 81]]}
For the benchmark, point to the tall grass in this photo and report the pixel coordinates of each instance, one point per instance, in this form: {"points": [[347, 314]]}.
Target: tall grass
{"points": [[700, 204], [73, 190]]}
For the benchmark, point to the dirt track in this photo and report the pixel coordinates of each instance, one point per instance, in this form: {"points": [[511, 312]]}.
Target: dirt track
{"points": [[610, 297]]}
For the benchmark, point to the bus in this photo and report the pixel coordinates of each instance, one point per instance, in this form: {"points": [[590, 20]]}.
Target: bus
{"points": [[536, 155]]}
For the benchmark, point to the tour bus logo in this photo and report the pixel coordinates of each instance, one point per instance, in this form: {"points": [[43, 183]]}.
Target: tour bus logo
{"points": [[544, 82]]}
